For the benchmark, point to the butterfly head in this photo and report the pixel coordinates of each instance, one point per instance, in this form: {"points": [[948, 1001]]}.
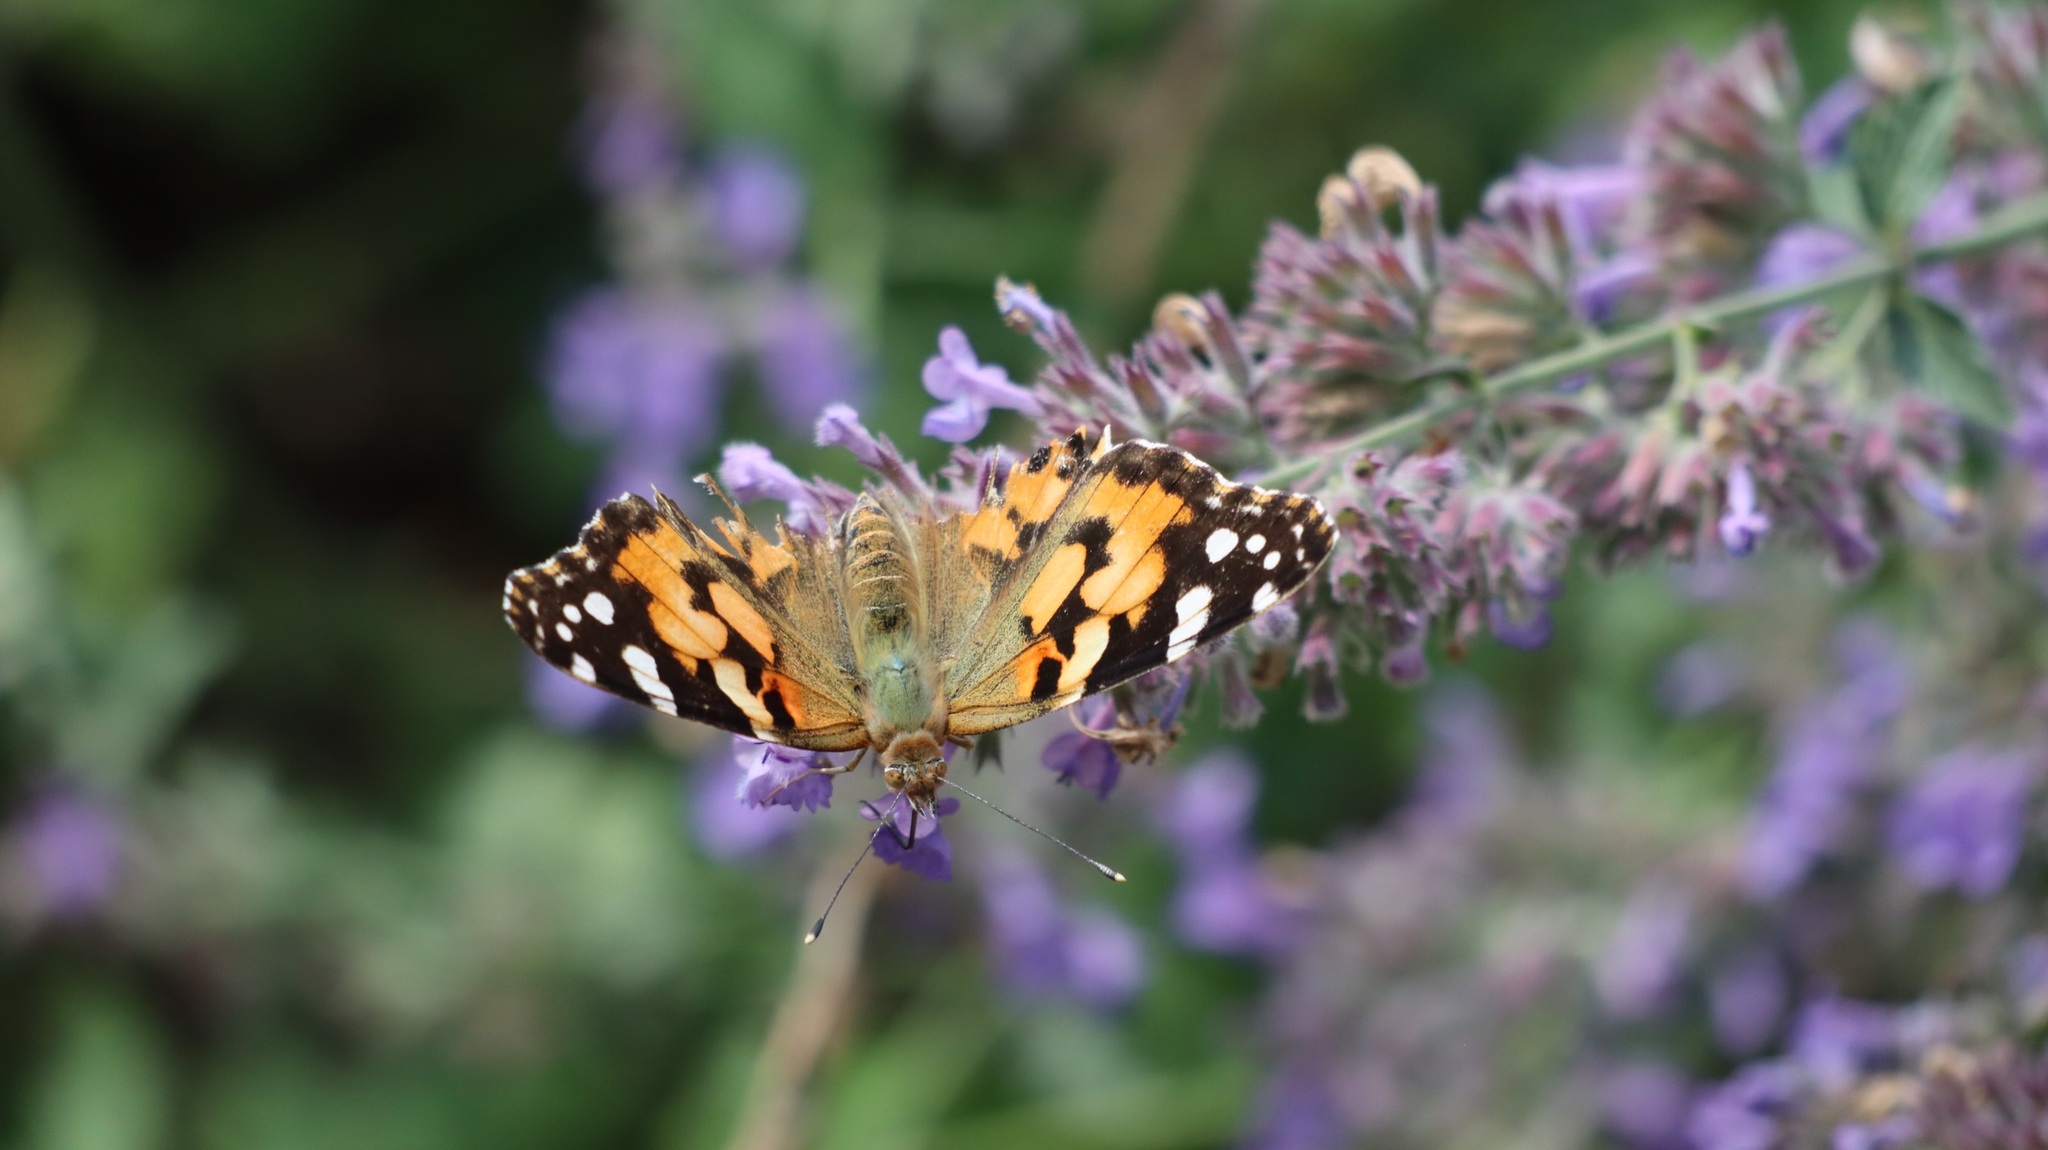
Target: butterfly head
{"points": [[914, 766]]}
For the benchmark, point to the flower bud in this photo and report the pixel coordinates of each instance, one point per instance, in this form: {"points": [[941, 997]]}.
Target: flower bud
{"points": [[1383, 176], [1887, 57]]}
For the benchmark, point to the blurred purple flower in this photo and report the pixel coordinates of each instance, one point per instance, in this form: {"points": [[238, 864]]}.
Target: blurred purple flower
{"points": [[565, 702], [1592, 200], [772, 775], [1743, 1112], [1645, 1105], [1078, 758], [1225, 902], [1963, 821], [1638, 972], [1743, 524], [929, 856], [631, 143], [756, 204], [1698, 678], [1295, 1111], [1801, 253], [1746, 999], [1466, 761], [1824, 132], [728, 830], [1825, 759], [750, 472], [2026, 977], [1522, 621], [1837, 1040], [1599, 291], [1896, 1131], [807, 358], [71, 845], [638, 375], [1043, 949], [968, 390]]}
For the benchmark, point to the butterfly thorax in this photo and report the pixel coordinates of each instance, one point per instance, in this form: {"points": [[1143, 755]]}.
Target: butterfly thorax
{"points": [[904, 702]]}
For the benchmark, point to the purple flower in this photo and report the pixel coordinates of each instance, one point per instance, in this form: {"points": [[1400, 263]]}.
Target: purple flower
{"points": [[1592, 201], [729, 830], [1521, 621], [1803, 252], [1465, 763], [1042, 949], [1295, 1111], [1600, 290], [632, 143], [1746, 998], [1824, 132], [1225, 902], [772, 775], [807, 357], [1837, 1040], [1897, 1130], [968, 389], [1743, 524], [928, 856], [638, 374], [1962, 822], [1077, 757], [750, 472], [1743, 1113], [1645, 1104], [840, 426], [1824, 761], [756, 204], [71, 845], [1638, 972]]}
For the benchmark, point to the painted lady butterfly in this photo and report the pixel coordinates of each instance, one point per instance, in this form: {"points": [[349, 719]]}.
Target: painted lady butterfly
{"points": [[898, 633]]}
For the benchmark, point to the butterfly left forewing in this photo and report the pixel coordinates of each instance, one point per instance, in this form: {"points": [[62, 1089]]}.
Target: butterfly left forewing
{"points": [[743, 635], [1146, 554]]}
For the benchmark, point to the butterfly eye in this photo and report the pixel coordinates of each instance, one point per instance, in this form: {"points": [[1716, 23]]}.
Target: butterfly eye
{"points": [[894, 777]]}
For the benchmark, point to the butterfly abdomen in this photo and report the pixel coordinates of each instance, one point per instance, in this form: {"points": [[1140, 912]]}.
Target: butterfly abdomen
{"points": [[885, 615]]}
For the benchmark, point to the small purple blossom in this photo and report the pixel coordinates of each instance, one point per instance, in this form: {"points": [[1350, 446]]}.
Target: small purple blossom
{"points": [[929, 856], [756, 204], [728, 830], [1225, 902], [772, 775], [1837, 1040], [1963, 821], [1077, 758], [71, 845], [1743, 523], [1645, 1105], [750, 472], [1803, 252], [1746, 999], [1295, 1111], [1744, 1112], [1522, 622], [968, 389], [1638, 972], [1824, 131], [807, 357], [1042, 948]]}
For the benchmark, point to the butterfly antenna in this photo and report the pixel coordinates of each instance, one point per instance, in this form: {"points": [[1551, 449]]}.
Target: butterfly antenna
{"points": [[818, 927], [1108, 872]]}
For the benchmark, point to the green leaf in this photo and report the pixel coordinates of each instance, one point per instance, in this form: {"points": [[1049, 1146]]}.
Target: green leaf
{"points": [[1899, 150], [1937, 354]]}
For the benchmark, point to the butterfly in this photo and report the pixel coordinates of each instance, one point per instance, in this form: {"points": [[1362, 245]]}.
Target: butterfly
{"points": [[897, 631]]}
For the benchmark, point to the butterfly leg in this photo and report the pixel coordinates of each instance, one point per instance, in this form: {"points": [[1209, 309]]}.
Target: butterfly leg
{"points": [[828, 772]]}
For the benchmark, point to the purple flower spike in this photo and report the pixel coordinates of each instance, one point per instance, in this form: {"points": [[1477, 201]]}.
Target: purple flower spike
{"points": [[930, 856], [807, 358], [728, 830], [780, 776], [757, 204], [969, 389], [1962, 823], [1080, 759], [1743, 524], [71, 845]]}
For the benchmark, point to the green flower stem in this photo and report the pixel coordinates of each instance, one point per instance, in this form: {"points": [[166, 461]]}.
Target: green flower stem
{"points": [[2013, 221]]}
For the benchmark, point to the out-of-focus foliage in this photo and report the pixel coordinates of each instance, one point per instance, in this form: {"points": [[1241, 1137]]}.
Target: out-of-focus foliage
{"points": [[291, 861]]}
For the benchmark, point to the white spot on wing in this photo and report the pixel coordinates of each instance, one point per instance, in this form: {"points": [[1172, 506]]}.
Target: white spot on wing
{"points": [[648, 678], [1175, 651], [663, 705], [1272, 560], [1255, 544], [1264, 597], [1192, 609], [1222, 541], [600, 608], [572, 613], [563, 630], [581, 668], [1195, 601], [1297, 531]]}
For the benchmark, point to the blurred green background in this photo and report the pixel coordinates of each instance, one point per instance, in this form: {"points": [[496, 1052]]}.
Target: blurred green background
{"points": [[278, 281]]}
